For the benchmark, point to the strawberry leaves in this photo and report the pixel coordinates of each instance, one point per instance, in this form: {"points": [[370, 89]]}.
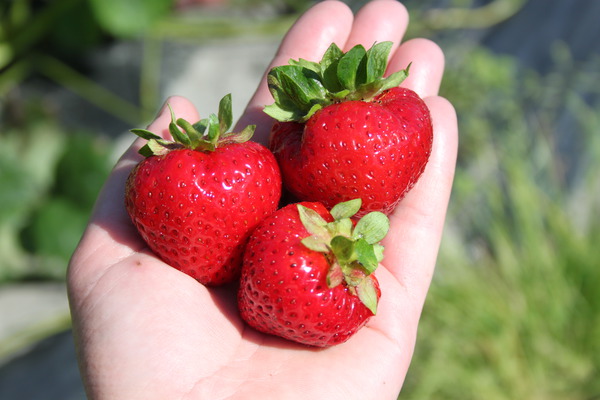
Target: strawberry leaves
{"points": [[354, 252], [205, 135], [303, 87]]}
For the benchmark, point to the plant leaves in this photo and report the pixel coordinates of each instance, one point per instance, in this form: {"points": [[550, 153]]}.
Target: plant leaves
{"points": [[313, 66], [174, 130], [346, 209], [313, 222], [192, 134], [366, 256], [343, 248], [239, 137], [302, 85], [348, 67], [367, 293], [225, 114], [145, 134], [329, 68], [213, 131], [129, 18], [280, 114], [378, 250], [372, 227], [377, 60], [393, 80], [342, 227], [315, 243]]}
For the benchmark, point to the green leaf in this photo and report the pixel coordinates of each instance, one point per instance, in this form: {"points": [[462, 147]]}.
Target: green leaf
{"points": [[145, 134], [281, 97], [313, 66], [372, 227], [366, 256], [315, 243], [174, 130], [348, 67], [332, 56], [202, 126], [193, 135], [394, 79], [378, 250], [343, 249], [303, 85], [346, 209], [130, 18], [329, 67], [377, 60], [225, 114], [342, 227], [312, 221], [157, 147], [146, 151], [367, 293], [239, 137], [213, 131], [280, 114]]}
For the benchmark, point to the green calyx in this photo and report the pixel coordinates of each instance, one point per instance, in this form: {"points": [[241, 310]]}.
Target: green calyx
{"points": [[353, 250], [205, 135], [303, 87]]}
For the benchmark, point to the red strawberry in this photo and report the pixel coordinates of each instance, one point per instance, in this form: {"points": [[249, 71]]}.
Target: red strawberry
{"points": [[346, 132], [195, 200], [308, 275]]}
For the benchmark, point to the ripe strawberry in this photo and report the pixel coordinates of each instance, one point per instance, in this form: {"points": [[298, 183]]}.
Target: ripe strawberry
{"points": [[196, 200], [347, 132], [308, 275]]}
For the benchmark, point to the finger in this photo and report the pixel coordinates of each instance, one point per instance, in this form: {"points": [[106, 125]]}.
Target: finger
{"points": [[417, 223], [378, 21], [426, 61], [325, 23]]}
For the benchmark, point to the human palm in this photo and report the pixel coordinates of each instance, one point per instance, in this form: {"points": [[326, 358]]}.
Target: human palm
{"points": [[145, 330]]}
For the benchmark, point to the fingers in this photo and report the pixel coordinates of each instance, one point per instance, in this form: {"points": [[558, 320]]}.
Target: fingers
{"points": [[426, 61], [417, 223], [325, 23], [378, 21]]}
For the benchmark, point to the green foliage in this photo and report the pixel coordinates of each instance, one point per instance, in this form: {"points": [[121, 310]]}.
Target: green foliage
{"points": [[50, 180], [514, 311], [303, 87], [129, 18]]}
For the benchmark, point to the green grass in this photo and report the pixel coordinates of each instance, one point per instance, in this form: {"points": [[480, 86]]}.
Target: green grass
{"points": [[514, 309]]}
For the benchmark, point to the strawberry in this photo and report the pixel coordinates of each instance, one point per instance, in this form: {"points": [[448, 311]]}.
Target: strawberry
{"points": [[307, 274], [344, 131], [196, 199]]}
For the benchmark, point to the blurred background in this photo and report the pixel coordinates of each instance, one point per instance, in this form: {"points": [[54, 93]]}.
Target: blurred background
{"points": [[514, 308]]}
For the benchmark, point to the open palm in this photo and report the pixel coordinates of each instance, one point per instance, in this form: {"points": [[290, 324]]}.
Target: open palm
{"points": [[145, 330]]}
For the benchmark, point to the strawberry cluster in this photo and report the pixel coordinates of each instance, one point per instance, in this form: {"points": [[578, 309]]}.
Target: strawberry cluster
{"points": [[347, 144]]}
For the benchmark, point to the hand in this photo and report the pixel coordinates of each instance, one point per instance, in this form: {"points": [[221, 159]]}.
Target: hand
{"points": [[144, 330]]}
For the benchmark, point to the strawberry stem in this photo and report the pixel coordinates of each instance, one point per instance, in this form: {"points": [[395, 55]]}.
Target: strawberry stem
{"points": [[354, 251], [205, 135], [303, 87]]}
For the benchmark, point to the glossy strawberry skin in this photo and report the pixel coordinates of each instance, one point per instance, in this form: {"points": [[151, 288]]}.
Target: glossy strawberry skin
{"points": [[373, 150], [283, 288], [196, 209]]}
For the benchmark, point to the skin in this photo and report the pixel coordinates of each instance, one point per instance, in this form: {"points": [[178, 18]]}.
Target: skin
{"points": [[144, 330]]}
